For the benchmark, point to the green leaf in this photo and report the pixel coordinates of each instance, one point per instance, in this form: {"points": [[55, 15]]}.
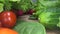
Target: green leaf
{"points": [[7, 5], [49, 3], [58, 25], [50, 18], [1, 7], [43, 4], [25, 27], [24, 5], [1, 1]]}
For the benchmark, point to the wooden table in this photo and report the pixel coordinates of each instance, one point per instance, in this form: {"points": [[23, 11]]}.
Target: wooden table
{"points": [[25, 17]]}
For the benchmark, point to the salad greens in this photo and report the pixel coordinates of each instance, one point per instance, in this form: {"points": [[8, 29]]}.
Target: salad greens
{"points": [[24, 27], [48, 12], [42, 4], [49, 18], [24, 5], [7, 5], [1, 7], [58, 23]]}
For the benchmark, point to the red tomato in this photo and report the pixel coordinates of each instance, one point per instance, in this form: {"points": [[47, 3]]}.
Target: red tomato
{"points": [[0, 21], [8, 19], [0, 24]]}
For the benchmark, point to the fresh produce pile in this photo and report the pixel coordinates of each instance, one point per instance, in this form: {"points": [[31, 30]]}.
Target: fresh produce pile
{"points": [[47, 12]]}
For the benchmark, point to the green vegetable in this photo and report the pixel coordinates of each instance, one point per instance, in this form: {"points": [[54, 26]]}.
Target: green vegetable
{"points": [[24, 5], [49, 3], [1, 7], [1, 1], [29, 28], [7, 5], [21, 5], [48, 12], [42, 5], [50, 17], [59, 23]]}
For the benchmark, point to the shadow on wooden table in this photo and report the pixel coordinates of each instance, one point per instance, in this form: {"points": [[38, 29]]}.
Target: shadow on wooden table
{"points": [[55, 31]]}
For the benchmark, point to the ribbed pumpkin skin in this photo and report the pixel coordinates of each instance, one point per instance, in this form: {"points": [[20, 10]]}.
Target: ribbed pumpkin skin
{"points": [[30, 28]]}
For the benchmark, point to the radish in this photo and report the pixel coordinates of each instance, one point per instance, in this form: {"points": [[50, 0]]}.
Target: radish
{"points": [[20, 12], [31, 11]]}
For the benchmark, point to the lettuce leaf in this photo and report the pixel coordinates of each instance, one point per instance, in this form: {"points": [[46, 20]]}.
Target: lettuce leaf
{"points": [[43, 4], [7, 5], [58, 25], [50, 17], [1, 1], [1, 7], [24, 27]]}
